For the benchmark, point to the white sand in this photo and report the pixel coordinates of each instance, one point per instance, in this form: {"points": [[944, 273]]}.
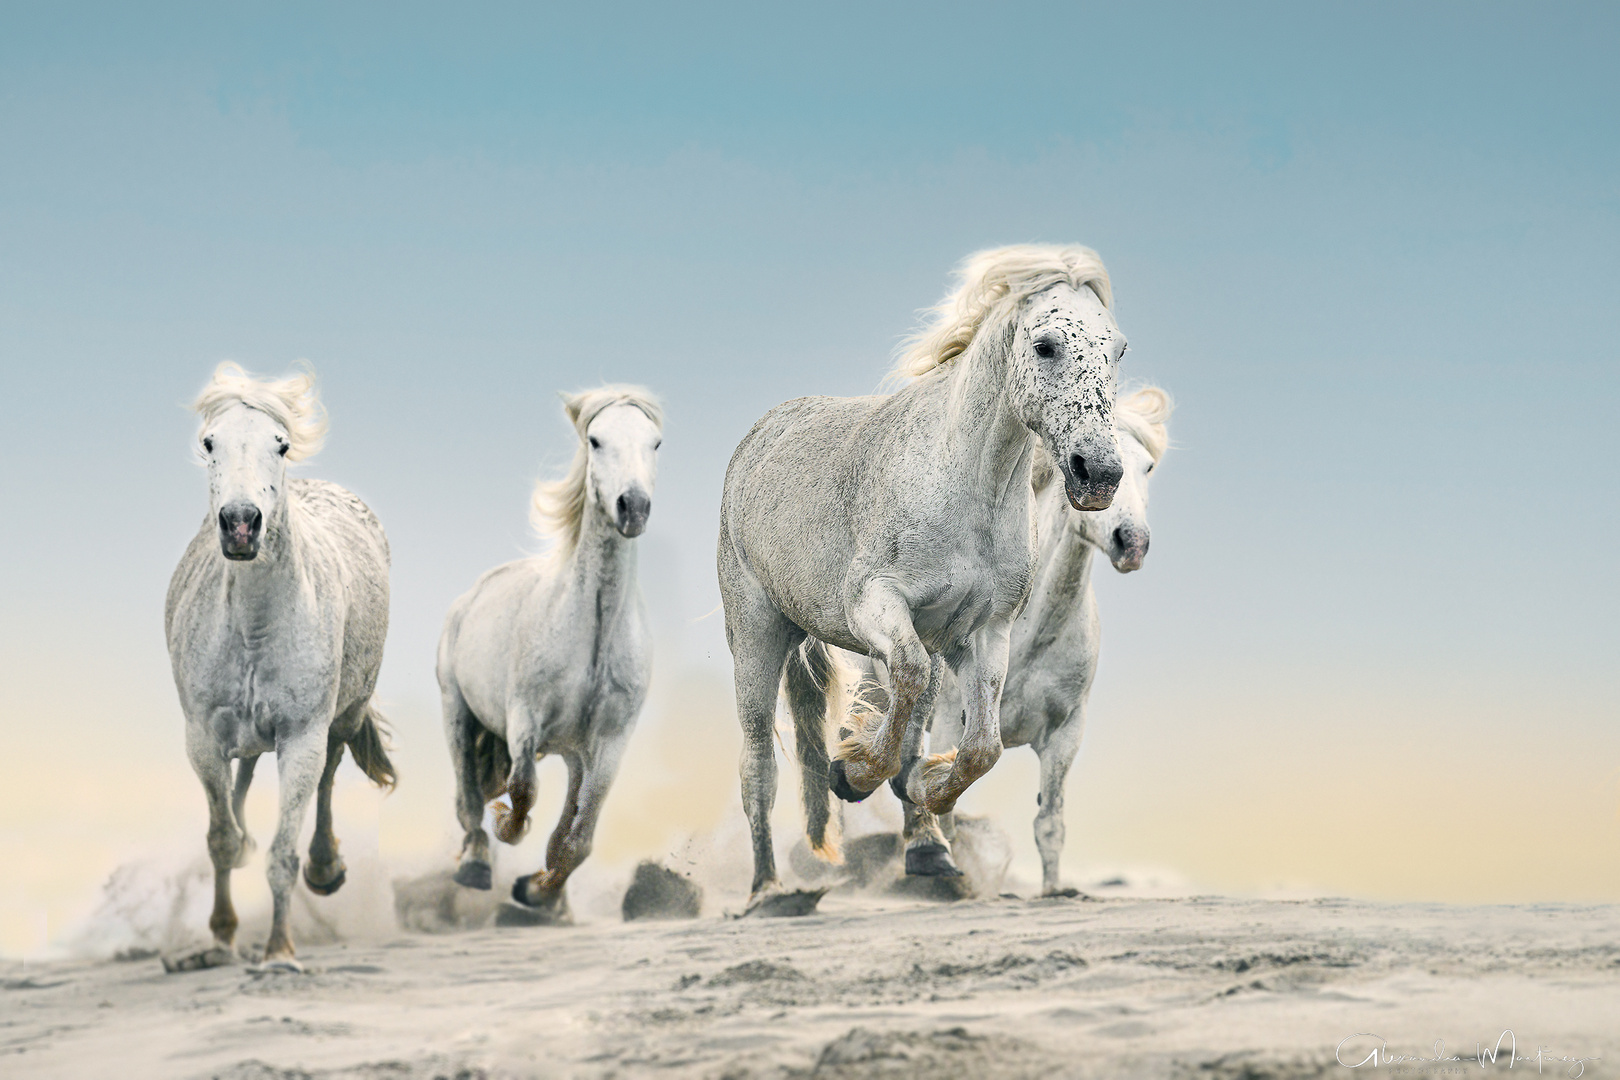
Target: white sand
{"points": [[872, 986]]}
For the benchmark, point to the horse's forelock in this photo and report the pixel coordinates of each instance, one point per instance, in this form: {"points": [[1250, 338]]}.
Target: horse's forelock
{"points": [[291, 402]]}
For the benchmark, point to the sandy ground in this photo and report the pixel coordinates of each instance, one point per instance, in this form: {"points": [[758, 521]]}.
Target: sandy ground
{"points": [[873, 985]]}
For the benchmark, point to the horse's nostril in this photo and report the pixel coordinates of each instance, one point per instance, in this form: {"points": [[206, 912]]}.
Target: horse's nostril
{"points": [[1119, 539], [1077, 466], [622, 506]]}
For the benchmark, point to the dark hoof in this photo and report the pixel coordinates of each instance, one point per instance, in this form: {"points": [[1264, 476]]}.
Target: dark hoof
{"points": [[326, 888], [780, 905], [473, 874], [840, 785], [930, 860]]}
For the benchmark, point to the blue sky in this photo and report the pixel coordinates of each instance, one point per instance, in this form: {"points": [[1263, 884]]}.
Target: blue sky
{"points": [[1370, 249]]}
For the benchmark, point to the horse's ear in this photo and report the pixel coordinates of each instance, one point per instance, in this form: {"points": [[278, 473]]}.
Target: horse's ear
{"points": [[571, 405]]}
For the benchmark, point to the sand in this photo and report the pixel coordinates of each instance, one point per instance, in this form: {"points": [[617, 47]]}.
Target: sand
{"points": [[873, 985]]}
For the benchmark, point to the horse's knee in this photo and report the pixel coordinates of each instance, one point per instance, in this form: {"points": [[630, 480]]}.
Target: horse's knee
{"points": [[225, 845], [281, 868], [976, 760]]}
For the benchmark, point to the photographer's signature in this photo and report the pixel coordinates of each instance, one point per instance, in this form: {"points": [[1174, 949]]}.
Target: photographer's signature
{"points": [[1364, 1050]]}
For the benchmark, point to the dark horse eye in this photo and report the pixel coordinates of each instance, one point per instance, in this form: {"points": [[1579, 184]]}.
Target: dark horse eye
{"points": [[594, 444], [208, 445], [1044, 349], [283, 448]]}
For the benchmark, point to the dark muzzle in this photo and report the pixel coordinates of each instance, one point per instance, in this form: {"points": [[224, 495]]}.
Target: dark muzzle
{"points": [[631, 511], [240, 528], [1091, 480]]}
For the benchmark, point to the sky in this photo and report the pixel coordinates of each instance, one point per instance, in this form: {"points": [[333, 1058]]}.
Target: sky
{"points": [[1371, 250]]}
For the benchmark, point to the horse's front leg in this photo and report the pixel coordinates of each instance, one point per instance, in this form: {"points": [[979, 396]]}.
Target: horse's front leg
{"points": [[589, 778], [300, 760], [874, 750], [1057, 754], [213, 768], [940, 780]]}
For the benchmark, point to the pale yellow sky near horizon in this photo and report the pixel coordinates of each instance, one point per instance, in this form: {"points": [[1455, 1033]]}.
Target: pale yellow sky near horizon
{"points": [[1266, 795]]}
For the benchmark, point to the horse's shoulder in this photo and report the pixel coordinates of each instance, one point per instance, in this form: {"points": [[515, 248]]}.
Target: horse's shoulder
{"points": [[193, 562], [336, 507]]}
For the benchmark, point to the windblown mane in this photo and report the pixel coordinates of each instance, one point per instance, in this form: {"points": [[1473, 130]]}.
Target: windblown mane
{"points": [[558, 506], [290, 402], [1142, 414], [991, 285]]}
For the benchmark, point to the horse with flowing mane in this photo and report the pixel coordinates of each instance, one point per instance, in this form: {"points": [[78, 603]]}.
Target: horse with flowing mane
{"points": [[552, 654], [1055, 642], [275, 622], [902, 526]]}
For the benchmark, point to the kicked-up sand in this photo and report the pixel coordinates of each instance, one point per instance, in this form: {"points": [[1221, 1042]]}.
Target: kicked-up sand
{"points": [[871, 986]]}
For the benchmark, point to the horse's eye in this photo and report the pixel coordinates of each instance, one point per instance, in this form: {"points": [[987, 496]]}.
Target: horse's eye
{"points": [[1150, 466], [594, 444], [1044, 349], [282, 448], [208, 445], [657, 444]]}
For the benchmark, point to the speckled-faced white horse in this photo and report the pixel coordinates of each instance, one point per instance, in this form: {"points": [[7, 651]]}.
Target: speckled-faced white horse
{"points": [[552, 654], [275, 619], [1055, 640], [902, 526]]}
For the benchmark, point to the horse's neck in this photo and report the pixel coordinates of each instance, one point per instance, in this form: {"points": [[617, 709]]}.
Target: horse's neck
{"points": [[601, 572], [1066, 558], [982, 427]]}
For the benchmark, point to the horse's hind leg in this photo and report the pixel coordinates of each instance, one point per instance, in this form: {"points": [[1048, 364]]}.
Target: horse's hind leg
{"points": [[244, 780], [461, 729], [299, 763], [325, 872]]}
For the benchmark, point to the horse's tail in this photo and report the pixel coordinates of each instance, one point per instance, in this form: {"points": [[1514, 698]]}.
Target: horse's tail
{"points": [[492, 762], [813, 686], [369, 745]]}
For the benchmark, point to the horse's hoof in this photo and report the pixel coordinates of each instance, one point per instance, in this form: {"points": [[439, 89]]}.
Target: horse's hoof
{"points": [[473, 874], [213, 956], [326, 888], [778, 905], [281, 965], [838, 781], [1067, 892], [931, 860]]}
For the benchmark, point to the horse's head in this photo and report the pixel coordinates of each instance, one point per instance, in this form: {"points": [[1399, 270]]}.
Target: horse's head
{"points": [[1121, 531], [246, 451], [1063, 371], [251, 429], [623, 445]]}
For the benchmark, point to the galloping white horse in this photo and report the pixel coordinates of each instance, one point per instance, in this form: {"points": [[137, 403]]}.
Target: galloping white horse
{"points": [[902, 526], [275, 619], [1055, 641], [552, 654]]}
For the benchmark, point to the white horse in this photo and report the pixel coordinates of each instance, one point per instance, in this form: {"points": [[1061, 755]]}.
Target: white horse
{"points": [[275, 619], [902, 526], [1055, 640], [552, 654]]}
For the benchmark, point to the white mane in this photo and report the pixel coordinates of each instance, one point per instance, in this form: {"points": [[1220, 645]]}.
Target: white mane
{"points": [[992, 284], [290, 402], [1144, 413], [558, 506]]}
